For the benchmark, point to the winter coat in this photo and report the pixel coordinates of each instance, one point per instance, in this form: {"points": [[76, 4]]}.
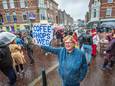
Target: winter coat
{"points": [[17, 54], [85, 39], [19, 41], [111, 47], [72, 66], [5, 57]]}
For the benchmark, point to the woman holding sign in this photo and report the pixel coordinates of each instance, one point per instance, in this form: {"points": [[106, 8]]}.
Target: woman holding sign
{"points": [[72, 62]]}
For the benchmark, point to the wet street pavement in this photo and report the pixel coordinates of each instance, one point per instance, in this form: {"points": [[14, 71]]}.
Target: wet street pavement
{"points": [[32, 71], [95, 76]]}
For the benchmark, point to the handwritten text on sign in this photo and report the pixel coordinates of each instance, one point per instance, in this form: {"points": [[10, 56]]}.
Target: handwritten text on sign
{"points": [[43, 34]]}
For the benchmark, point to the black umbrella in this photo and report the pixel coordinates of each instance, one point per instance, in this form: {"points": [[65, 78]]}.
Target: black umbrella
{"points": [[108, 25]]}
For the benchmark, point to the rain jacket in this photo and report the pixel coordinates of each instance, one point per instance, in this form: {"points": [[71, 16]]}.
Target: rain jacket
{"points": [[19, 41], [5, 57], [111, 47], [72, 66], [17, 54]]}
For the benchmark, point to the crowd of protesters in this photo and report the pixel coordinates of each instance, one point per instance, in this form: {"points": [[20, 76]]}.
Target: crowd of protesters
{"points": [[12, 56], [74, 52]]}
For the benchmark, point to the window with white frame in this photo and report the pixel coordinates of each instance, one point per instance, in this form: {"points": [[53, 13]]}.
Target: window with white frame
{"points": [[95, 13], [42, 14], [110, 1], [8, 17], [24, 14], [4, 4], [41, 3], [22, 3], [26, 3], [14, 17], [108, 11], [51, 6], [12, 4]]}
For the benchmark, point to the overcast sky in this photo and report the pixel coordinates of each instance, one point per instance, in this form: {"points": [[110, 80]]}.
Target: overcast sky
{"points": [[76, 8]]}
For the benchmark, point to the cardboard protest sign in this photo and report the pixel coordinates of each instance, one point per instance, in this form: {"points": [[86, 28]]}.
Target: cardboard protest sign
{"points": [[43, 34]]}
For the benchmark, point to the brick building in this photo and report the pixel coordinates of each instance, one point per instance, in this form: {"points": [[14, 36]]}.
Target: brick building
{"points": [[101, 11], [23, 13], [65, 19], [107, 10], [52, 11]]}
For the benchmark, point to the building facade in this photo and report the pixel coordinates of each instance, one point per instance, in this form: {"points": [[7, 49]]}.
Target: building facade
{"points": [[101, 11], [95, 10], [18, 12], [52, 11], [107, 10], [22, 13], [65, 19], [93, 16]]}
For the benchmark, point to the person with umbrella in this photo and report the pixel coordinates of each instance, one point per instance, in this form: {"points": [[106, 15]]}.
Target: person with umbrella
{"points": [[72, 62], [18, 56], [6, 62]]}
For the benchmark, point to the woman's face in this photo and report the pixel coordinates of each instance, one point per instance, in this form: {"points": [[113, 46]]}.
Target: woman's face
{"points": [[69, 45]]}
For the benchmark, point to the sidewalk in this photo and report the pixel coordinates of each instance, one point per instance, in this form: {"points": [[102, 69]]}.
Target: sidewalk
{"points": [[95, 76]]}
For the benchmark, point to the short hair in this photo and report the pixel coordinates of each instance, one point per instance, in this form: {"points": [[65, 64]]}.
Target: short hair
{"points": [[68, 38]]}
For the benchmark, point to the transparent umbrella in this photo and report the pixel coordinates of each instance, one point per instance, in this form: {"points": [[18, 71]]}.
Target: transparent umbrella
{"points": [[6, 38], [108, 25]]}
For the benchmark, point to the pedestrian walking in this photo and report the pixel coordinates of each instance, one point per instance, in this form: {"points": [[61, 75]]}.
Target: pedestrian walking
{"points": [[110, 55], [95, 39], [6, 62], [18, 57], [87, 46], [72, 62], [28, 42]]}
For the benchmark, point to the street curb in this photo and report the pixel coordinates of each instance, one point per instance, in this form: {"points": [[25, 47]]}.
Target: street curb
{"points": [[40, 77]]}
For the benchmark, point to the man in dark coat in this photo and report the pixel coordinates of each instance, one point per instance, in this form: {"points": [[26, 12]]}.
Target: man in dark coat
{"points": [[6, 64]]}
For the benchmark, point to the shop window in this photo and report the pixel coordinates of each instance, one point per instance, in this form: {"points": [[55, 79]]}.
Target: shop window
{"points": [[1, 18], [23, 3], [110, 1], [42, 14], [4, 4], [12, 4], [14, 17], [8, 17], [24, 16], [108, 11], [94, 13]]}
